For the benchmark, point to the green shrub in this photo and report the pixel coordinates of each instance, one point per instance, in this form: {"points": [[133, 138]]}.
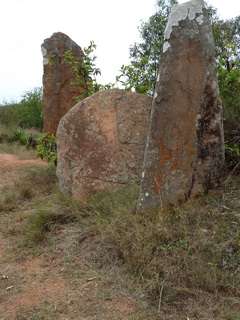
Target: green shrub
{"points": [[47, 148], [6, 133], [229, 83], [44, 221], [30, 112], [25, 114], [19, 135], [232, 145]]}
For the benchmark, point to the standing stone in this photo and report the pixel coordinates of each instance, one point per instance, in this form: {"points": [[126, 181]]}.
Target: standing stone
{"points": [[62, 83], [101, 143], [184, 154]]}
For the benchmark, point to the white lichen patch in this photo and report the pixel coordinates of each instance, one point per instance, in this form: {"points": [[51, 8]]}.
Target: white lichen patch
{"points": [[44, 54], [166, 46], [146, 194], [181, 12], [200, 19]]}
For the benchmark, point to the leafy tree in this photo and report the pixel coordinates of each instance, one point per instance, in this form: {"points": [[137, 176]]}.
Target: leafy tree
{"points": [[86, 71], [30, 109], [26, 114], [227, 39], [141, 73]]}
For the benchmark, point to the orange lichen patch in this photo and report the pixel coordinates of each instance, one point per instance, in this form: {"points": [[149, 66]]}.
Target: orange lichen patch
{"points": [[157, 184]]}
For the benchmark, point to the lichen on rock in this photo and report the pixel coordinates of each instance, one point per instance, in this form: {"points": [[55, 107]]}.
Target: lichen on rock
{"points": [[184, 154]]}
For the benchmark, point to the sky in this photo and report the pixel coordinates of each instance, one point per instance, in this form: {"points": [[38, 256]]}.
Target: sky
{"points": [[111, 24]]}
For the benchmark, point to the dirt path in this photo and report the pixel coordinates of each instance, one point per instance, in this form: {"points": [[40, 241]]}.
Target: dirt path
{"points": [[54, 280], [12, 161]]}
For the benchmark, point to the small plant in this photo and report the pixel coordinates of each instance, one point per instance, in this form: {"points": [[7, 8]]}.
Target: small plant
{"points": [[19, 135], [39, 224], [232, 152], [47, 148], [85, 71]]}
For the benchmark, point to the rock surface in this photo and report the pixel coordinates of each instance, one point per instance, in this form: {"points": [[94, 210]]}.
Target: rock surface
{"points": [[61, 84], [184, 154], [101, 142]]}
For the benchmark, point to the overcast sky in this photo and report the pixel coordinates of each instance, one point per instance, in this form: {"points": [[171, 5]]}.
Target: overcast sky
{"points": [[112, 24]]}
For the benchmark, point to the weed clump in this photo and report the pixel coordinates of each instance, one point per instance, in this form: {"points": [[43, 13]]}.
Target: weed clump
{"points": [[176, 254], [44, 221]]}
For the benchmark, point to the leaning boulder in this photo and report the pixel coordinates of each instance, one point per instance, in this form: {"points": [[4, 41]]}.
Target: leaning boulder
{"points": [[62, 80], [184, 154], [101, 143]]}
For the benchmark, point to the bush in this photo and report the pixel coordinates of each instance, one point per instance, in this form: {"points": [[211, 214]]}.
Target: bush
{"points": [[25, 114], [47, 148], [190, 248], [20, 136], [232, 145], [44, 221], [30, 111], [229, 83]]}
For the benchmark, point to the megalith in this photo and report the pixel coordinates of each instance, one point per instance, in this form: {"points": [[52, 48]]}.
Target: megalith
{"points": [[184, 153], [101, 143], [62, 80]]}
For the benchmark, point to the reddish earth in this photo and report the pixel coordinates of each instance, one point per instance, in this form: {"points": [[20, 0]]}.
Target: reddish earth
{"points": [[53, 280], [11, 160]]}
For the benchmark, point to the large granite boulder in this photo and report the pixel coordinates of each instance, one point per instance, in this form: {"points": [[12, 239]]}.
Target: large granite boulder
{"points": [[185, 151], [101, 143], [62, 82]]}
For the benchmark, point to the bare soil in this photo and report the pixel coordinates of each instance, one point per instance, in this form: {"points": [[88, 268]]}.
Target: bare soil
{"points": [[54, 280]]}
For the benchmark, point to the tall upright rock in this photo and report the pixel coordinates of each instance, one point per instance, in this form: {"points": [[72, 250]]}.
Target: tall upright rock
{"points": [[184, 154], [62, 82]]}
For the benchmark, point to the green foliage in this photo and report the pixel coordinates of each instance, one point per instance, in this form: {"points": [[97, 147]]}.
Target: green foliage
{"points": [[229, 84], [21, 136], [85, 71], [189, 248], [47, 148], [45, 144], [226, 34], [31, 109], [6, 133], [141, 73], [9, 115], [227, 40], [25, 114], [44, 221]]}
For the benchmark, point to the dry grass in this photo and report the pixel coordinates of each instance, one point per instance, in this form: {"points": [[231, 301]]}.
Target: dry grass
{"points": [[18, 150], [183, 263], [187, 259]]}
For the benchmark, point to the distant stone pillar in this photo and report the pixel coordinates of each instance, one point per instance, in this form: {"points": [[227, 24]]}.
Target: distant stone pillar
{"points": [[184, 154], [62, 82]]}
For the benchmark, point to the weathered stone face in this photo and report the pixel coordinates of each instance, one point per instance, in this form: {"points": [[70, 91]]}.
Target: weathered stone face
{"points": [[101, 142], [185, 151], [61, 84]]}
